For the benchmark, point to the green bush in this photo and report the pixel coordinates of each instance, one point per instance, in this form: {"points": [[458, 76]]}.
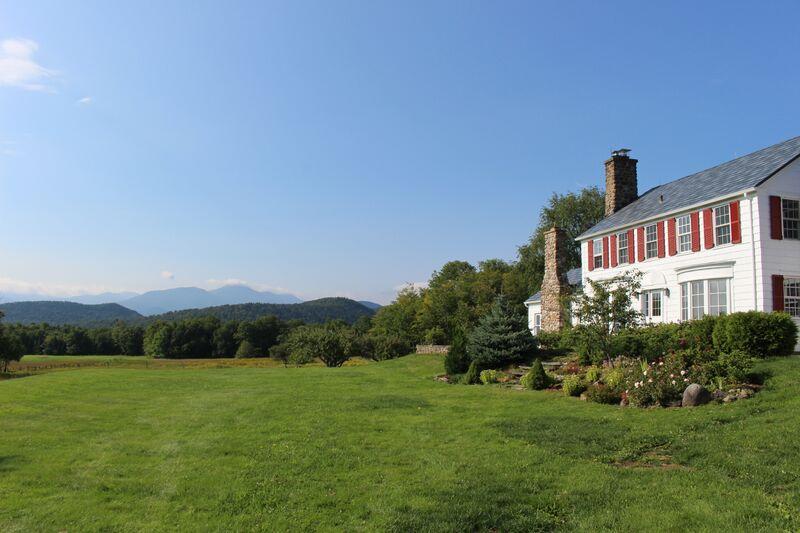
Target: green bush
{"points": [[756, 333], [549, 340], [489, 376], [582, 341], [472, 377], [536, 378], [573, 385], [657, 382], [456, 361], [600, 393], [613, 377], [593, 373], [724, 370]]}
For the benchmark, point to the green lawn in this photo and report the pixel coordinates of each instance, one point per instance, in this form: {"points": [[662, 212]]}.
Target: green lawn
{"points": [[383, 447]]}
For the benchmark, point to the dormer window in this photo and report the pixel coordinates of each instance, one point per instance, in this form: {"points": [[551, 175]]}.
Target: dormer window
{"points": [[597, 250], [722, 225], [651, 241], [622, 248]]}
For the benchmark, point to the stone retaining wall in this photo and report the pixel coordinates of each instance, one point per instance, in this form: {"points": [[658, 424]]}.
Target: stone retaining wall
{"points": [[433, 348]]}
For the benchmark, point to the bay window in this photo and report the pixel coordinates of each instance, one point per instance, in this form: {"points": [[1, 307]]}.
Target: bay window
{"points": [[704, 297]]}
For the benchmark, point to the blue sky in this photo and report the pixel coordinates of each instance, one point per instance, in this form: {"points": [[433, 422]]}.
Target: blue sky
{"points": [[346, 148]]}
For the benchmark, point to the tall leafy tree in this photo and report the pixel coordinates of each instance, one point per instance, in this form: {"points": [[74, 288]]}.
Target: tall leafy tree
{"points": [[574, 213], [11, 348]]}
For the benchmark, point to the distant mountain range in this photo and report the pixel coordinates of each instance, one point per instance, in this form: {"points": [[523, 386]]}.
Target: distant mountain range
{"points": [[371, 305], [163, 301], [90, 315]]}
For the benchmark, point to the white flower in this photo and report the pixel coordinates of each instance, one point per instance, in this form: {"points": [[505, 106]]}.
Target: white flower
{"points": [[636, 384], [661, 363], [650, 380], [672, 375], [683, 372], [645, 372], [686, 380], [673, 382]]}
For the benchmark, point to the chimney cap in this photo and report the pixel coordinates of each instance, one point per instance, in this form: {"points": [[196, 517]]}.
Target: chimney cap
{"points": [[622, 152]]}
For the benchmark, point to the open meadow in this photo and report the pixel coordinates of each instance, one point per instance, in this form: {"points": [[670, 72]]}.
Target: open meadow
{"points": [[381, 446]]}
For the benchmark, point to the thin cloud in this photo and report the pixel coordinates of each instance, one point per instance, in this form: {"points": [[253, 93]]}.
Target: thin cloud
{"points": [[414, 285], [18, 68], [9, 285], [86, 100], [166, 274]]}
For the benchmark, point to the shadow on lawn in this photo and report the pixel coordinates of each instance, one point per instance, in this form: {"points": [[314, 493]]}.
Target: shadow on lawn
{"points": [[5, 463]]}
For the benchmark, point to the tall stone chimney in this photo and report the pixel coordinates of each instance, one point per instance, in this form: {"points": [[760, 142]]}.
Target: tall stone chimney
{"points": [[554, 284], [621, 183]]}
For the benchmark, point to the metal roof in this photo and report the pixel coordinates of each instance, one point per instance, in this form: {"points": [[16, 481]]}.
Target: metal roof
{"points": [[734, 176], [574, 278]]}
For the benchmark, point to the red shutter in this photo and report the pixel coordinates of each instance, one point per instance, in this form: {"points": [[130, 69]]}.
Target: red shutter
{"points": [[590, 251], [640, 242], [660, 239], [672, 243], [708, 227], [775, 218], [605, 252], [631, 247], [777, 292], [695, 217], [736, 223], [613, 250]]}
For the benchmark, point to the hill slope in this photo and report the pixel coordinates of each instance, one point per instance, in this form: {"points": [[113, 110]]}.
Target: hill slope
{"points": [[59, 313], [314, 311]]}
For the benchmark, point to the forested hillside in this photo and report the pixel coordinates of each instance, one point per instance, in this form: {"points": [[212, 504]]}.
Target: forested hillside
{"points": [[312, 312], [58, 313]]}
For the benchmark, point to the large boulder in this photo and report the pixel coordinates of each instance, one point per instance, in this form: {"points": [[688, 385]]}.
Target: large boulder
{"points": [[694, 395]]}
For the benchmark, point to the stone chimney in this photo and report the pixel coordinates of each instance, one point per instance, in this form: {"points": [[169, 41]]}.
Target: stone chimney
{"points": [[621, 184], [554, 283]]}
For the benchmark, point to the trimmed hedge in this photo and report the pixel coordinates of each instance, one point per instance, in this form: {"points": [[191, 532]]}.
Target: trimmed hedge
{"points": [[756, 334]]}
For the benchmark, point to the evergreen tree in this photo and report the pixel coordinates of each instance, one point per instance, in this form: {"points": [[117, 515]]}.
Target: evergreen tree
{"points": [[456, 361], [501, 337], [536, 378], [473, 375]]}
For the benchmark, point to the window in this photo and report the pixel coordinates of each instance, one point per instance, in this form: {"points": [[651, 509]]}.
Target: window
{"points": [[537, 323], [791, 296], [717, 297], [791, 218], [722, 224], [651, 303], [684, 224], [693, 298], [597, 250], [651, 241], [622, 248]]}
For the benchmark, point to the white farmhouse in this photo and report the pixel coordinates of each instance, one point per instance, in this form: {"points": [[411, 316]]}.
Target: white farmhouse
{"points": [[722, 240]]}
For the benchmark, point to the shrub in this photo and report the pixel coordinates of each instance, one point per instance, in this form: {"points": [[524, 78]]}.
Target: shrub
{"points": [[600, 393], [613, 377], [501, 337], [489, 376], [582, 340], [573, 385], [246, 350], [536, 378], [435, 335], [726, 369], [756, 333], [593, 373], [384, 347], [472, 377], [456, 361], [655, 383]]}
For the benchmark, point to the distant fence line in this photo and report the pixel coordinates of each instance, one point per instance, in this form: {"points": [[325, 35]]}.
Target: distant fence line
{"points": [[433, 348]]}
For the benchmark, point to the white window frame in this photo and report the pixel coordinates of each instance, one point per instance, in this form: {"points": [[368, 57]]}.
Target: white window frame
{"points": [[648, 242], [795, 221], [696, 298], [727, 226], [537, 323], [621, 248], [647, 304], [685, 222], [597, 252], [791, 296]]}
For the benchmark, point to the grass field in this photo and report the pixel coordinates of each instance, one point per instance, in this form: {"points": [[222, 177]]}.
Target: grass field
{"points": [[383, 447]]}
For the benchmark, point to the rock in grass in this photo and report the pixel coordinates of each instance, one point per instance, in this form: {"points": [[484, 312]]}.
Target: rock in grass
{"points": [[694, 395]]}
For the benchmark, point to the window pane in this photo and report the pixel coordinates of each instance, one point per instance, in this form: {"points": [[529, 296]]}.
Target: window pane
{"points": [[622, 247], [717, 297], [698, 299], [655, 302], [684, 301], [722, 224], [791, 219], [791, 296], [651, 244], [645, 303], [684, 233], [598, 253]]}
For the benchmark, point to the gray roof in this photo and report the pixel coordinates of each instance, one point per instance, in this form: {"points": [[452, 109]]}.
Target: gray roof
{"points": [[574, 278], [734, 176]]}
